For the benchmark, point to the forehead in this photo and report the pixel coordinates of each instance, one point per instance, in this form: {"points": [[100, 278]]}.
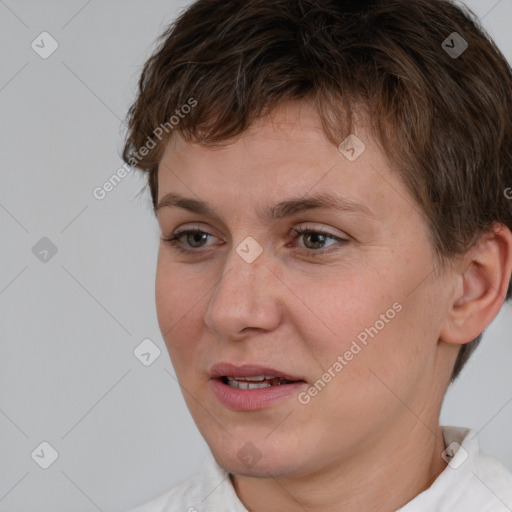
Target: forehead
{"points": [[282, 155], [291, 125], [291, 134]]}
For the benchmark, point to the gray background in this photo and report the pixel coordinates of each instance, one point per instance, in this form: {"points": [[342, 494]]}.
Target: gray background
{"points": [[69, 325]]}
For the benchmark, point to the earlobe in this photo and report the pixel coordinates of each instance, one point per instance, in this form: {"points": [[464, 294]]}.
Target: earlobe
{"points": [[485, 273]]}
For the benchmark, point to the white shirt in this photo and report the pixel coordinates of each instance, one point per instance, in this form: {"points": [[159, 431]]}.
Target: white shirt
{"points": [[471, 482]]}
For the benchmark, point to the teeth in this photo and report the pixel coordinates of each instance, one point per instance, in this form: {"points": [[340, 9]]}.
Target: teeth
{"points": [[258, 378], [237, 384], [261, 383]]}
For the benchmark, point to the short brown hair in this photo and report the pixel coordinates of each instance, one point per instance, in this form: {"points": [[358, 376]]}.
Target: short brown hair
{"points": [[443, 120]]}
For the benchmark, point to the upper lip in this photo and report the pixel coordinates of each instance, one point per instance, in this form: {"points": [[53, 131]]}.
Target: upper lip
{"points": [[248, 370]]}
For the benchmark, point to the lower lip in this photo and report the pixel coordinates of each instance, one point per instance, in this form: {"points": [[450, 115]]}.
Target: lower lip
{"points": [[250, 399]]}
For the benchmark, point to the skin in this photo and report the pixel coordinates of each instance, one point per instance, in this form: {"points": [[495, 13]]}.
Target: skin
{"points": [[370, 440]]}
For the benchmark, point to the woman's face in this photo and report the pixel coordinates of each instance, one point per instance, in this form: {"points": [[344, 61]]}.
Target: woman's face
{"points": [[355, 311]]}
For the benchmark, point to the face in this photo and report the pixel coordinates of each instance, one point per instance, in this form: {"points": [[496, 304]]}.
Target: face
{"points": [[349, 307]]}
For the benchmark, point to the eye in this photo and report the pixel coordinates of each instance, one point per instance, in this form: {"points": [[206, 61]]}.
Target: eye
{"points": [[314, 237], [195, 238], [192, 237]]}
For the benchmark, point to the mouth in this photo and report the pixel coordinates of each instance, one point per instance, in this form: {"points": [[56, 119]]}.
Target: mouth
{"points": [[250, 387], [253, 375], [257, 382]]}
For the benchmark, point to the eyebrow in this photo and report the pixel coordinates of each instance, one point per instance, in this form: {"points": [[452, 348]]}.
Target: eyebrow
{"points": [[283, 209]]}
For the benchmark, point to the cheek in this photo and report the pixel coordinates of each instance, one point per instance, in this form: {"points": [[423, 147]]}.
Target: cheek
{"points": [[177, 306], [387, 361], [376, 366], [370, 326], [354, 309], [165, 297]]}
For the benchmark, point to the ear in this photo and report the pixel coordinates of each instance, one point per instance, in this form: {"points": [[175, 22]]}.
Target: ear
{"points": [[484, 275]]}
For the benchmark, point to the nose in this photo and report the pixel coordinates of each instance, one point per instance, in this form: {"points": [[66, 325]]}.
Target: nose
{"points": [[246, 298]]}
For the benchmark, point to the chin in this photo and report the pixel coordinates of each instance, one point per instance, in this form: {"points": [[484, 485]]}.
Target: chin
{"points": [[261, 469], [258, 460]]}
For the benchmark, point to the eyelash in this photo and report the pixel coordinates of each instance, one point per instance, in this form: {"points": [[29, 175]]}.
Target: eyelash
{"points": [[173, 241]]}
